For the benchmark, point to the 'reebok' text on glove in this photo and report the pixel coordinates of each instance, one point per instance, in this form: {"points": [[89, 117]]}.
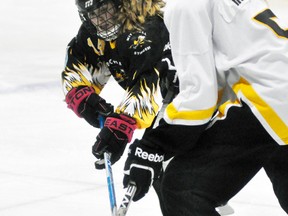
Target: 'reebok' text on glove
{"points": [[142, 167]]}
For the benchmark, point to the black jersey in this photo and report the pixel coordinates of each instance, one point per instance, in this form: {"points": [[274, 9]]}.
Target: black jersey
{"points": [[135, 59]]}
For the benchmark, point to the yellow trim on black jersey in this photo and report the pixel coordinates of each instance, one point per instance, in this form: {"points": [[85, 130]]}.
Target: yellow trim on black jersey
{"points": [[112, 44], [100, 46]]}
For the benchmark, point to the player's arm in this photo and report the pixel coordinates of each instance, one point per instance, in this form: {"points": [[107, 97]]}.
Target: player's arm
{"points": [[141, 100], [83, 78]]}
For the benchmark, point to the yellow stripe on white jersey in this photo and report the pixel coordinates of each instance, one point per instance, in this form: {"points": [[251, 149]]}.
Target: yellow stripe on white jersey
{"points": [[262, 110], [194, 117]]}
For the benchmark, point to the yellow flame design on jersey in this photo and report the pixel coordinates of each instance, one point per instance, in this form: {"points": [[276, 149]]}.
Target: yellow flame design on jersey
{"points": [[78, 76], [142, 106]]}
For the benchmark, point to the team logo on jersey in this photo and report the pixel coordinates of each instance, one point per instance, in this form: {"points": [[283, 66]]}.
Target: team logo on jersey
{"points": [[141, 45], [139, 42]]}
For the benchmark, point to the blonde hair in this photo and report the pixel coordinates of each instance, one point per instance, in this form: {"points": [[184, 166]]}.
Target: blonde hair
{"points": [[133, 13]]}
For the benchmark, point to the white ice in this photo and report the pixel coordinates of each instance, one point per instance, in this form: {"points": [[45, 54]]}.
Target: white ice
{"points": [[46, 165]]}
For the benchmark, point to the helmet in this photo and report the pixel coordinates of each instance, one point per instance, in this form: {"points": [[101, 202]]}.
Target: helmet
{"points": [[100, 17]]}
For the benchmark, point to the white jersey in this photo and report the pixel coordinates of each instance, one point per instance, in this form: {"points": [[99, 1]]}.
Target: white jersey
{"points": [[236, 42]]}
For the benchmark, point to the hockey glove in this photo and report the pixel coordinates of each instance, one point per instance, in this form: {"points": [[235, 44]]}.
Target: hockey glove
{"points": [[168, 77], [117, 132], [142, 167], [88, 105]]}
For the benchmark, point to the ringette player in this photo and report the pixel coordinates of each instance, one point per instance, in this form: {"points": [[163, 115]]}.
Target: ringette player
{"points": [[126, 40], [129, 41], [239, 45]]}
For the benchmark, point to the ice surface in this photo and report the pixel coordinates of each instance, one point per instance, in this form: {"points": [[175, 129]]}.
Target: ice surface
{"points": [[46, 165]]}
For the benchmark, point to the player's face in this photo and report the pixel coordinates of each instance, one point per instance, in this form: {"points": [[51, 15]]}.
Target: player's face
{"points": [[103, 18]]}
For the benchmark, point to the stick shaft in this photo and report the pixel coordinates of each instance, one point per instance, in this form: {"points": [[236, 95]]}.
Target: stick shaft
{"points": [[110, 184]]}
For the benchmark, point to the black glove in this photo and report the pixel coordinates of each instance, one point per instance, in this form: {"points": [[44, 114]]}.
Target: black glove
{"points": [[142, 167], [88, 105], [168, 77], [117, 132]]}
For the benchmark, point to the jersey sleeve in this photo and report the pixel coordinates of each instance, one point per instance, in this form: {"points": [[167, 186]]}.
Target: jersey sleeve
{"points": [[83, 66], [190, 37], [142, 98]]}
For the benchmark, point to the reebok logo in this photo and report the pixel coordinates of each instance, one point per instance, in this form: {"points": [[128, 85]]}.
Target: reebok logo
{"points": [[146, 156]]}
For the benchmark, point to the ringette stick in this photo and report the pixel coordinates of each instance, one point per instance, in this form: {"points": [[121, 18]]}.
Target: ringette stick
{"points": [[127, 199], [109, 175], [110, 184]]}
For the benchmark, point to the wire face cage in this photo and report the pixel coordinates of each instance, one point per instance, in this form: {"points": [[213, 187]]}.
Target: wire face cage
{"points": [[104, 18]]}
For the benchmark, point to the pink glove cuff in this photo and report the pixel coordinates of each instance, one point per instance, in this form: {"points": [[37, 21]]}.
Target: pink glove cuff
{"points": [[75, 97]]}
